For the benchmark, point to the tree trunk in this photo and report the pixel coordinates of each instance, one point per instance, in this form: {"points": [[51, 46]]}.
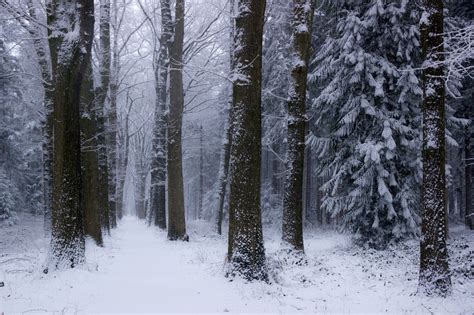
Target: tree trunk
{"points": [[159, 141], [227, 143], [434, 270], [201, 174], [308, 192], [141, 202], [469, 174], [90, 161], [112, 126], [303, 11], [246, 252], [176, 212], [224, 174], [100, 97], [67, 242]]}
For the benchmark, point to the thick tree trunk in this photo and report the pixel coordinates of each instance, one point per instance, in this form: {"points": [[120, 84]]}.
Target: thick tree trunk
{"points": [[176, 212], [434, 270], [159, 141], [90, 161], [100, 97], [114, 203], [67, 242], [303, 11], [246, 252]]}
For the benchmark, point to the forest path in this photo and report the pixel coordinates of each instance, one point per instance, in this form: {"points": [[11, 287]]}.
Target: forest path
{"points": [[147, 273]]}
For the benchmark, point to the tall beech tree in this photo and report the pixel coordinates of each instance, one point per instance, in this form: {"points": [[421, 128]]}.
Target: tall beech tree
{"points": [[303, 11], [159, 141], [176, 212], [111, 126], [246, 252], [227, 143], [108, 218], [434, 270], [70, 45]]}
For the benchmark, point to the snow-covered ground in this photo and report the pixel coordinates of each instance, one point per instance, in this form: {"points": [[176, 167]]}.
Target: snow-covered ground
{"points": [[140, 271]]}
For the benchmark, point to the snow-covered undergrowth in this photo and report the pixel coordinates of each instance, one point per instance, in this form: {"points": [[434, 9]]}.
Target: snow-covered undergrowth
{"points": [[138, 270]]}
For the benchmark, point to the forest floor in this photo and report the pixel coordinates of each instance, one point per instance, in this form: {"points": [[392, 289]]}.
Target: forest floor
{"points": [[138, 271]]}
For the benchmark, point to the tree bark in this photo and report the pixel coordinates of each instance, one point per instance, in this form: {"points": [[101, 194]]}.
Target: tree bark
{"points": [[201, 174], [114, 207], [227, 143], [140, 204], [100, 96], [434, 270], [246, 253], [90, 161], [159, 141], [469, 173], [308, 188], [67, 242], [303, 11], [176, 211]]}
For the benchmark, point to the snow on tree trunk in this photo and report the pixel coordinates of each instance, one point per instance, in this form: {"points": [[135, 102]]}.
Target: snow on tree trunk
{"points": [[100, 97], [246, 253], [176, 211], [469, 171], [434, 269], [70, 49], [90, 160], [159, 140], [112, 123], [303, 11]]}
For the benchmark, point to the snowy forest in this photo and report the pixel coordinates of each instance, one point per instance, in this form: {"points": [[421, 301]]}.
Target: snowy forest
{"points": [[242, 156]]}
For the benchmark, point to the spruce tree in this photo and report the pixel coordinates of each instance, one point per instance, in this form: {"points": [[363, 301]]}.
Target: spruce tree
{"points": [[367, 119]]}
